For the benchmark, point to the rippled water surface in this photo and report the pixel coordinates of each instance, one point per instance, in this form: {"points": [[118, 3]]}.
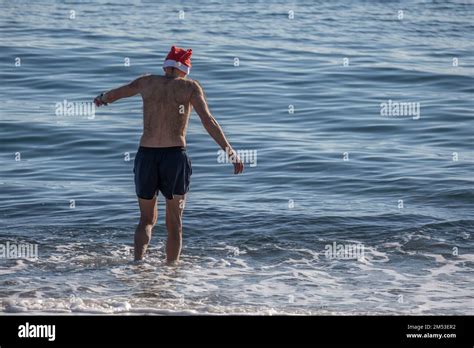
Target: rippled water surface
{"points": [[253, 243]]}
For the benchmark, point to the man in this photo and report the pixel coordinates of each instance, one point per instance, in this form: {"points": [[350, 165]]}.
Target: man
{"points": [[161, 163]]}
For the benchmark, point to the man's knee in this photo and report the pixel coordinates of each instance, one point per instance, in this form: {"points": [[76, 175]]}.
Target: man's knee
{"points": [[147, 222]]}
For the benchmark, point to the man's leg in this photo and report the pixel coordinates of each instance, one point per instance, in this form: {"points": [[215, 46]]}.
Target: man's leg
{"points": [[174, 225], [148, 217]]}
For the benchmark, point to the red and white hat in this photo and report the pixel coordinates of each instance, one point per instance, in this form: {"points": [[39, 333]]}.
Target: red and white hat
{"points": [[179, 58]]}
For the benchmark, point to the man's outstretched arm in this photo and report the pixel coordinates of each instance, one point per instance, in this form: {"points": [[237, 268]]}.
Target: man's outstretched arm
{"points": [[199, 103], [128, 90]]}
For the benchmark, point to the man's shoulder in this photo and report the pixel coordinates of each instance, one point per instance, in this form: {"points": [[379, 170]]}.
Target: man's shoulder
{"points": [[194, 84], [188, 81], [138, 82]]}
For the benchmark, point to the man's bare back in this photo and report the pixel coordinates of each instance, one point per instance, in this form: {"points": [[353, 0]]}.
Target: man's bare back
{"points": [[166, 110]]}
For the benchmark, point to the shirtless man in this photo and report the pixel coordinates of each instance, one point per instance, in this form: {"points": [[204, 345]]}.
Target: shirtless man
{"points": [[161, 163]]}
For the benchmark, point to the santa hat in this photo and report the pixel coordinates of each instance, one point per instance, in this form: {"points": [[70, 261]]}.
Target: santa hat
{"points": [[179, 58]]}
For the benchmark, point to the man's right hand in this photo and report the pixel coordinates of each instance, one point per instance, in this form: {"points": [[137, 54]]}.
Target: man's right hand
{"points": [[237, 162]]}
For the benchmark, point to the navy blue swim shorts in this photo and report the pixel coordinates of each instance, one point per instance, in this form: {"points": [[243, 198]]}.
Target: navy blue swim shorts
{"points": [[164, 169]]}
